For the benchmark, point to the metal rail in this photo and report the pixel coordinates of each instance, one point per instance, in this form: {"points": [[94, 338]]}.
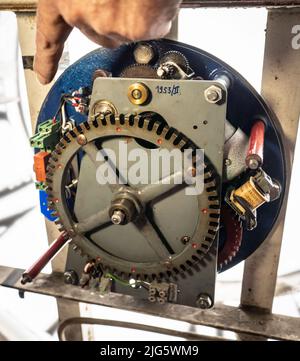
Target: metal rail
{"points": [[220, 317], [30, 5]]}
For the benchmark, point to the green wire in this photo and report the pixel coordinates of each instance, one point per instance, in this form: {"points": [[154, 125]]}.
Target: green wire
{"points": [[117, 279]]}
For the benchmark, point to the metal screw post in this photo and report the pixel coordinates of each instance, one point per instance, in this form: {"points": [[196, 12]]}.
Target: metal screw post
{"points": [[71, 277], [204, 301], [118, 217], [213, 94]]}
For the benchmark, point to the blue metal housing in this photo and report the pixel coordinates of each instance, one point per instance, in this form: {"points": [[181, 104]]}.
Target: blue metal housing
{"points": [[244, 106]]}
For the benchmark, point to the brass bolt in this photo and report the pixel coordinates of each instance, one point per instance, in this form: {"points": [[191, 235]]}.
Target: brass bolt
{"points": [[138, 93]]}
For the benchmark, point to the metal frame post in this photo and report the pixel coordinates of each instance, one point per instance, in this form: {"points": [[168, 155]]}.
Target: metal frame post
{"points": [[36, 94], [281, 90]]}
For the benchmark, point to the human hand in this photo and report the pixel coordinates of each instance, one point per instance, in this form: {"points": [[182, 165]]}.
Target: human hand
{"points": [[107, 22]]}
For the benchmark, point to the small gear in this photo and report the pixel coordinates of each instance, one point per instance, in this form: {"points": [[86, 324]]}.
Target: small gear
{"points": [[177, 58], [139, 71], [234, 235]]}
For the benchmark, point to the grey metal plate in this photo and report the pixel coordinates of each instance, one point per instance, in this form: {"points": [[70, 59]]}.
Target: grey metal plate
{"points": [[183, 110]]}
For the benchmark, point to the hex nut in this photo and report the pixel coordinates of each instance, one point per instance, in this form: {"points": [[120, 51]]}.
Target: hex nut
{"points": [[213, 94], [204, 301]]}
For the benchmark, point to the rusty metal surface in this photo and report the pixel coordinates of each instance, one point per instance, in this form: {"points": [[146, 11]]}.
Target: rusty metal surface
{"points": [[221, 317], [30, 5]]}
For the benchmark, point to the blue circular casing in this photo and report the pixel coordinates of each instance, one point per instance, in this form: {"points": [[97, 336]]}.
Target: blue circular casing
{"points": [[245, 105]]}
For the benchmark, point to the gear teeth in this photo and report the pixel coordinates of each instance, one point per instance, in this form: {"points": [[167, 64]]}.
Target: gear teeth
{"points": [[141, 122], [54, 155], [177, 57], [130, 120], [66, 138], [86, 125], [51, 165], [127, 119], [57, 222], [78, 129], [121, 119], [72, 133], [63, 143], [178, 138], [149, 124], [208, 176], [212, 231], [50, 172], [212, 193], [111, 119], [49, 180], [183, 144], [234, 232], [59, 149], [95, 122], [161, 129], [139, 71], [169, 134], [215, 204], [174, 137], [210, 186]]}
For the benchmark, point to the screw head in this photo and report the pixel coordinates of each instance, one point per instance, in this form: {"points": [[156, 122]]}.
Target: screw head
{"points": [[71, 232], [253, 163], [138, 93], [81, 139], [213, 94], [71, 277], [185, 239], [118, 217], [227, 162], [204, 301]]}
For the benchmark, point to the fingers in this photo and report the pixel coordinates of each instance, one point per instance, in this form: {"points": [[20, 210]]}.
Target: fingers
{"points": [[106, 22], [52, 32], [107, 42]]}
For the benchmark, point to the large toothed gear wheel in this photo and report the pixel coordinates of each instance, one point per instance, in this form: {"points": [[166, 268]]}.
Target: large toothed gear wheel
{"points": [[154, 252], [139, 71]]}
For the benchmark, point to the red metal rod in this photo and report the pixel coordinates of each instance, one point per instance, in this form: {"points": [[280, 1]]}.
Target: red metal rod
{"points": [[255, 155], [36, 268]]}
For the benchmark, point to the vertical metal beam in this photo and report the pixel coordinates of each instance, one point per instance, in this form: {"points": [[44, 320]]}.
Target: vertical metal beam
{"points": [[281, 89], [36, 94]]}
